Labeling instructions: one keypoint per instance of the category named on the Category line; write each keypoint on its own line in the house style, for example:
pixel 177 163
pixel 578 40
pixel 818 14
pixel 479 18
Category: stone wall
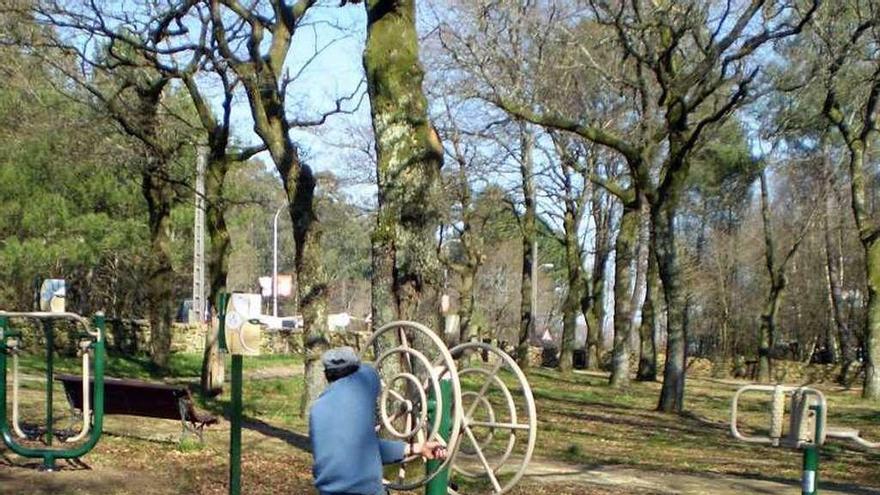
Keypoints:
pixel 191 339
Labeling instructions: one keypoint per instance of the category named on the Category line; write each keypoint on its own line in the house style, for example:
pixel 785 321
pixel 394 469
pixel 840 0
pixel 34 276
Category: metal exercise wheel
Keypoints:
pixel 499 426
pixel 411 361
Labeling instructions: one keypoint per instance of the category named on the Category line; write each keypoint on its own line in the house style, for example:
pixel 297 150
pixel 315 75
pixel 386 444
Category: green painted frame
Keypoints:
pixel 50 455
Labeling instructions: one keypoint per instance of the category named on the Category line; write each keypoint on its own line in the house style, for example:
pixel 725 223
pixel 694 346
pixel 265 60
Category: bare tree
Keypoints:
pixel 254 40
pixel 116 71
pixel 776 269
pixel 852 110
pixel 687 69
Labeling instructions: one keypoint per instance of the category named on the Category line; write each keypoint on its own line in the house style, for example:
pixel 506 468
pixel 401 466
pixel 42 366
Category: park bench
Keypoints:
pixel 138 398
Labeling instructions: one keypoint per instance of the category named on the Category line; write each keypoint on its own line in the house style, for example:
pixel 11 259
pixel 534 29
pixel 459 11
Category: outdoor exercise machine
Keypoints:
pixel 90 342
pixel 239 337
pixel 807 429
pixel 473 398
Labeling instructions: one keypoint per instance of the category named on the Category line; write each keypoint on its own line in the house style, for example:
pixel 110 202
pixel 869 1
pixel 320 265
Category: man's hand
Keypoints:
pixel 429 450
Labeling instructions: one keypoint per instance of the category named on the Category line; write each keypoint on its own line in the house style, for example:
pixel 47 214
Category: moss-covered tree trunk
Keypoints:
pixel 869 235
pixel 159 196
pixel 859 130
pixel 593 299
pixel 260 70
pixel 571 304
pixel 311 277
pixel 467 303
pixel 848 343
pixel 839 329
pixel 624 254
pixel 669 268
pixel 409 157
pixel 158 286
pixel 299 184
pixel 664 208
pixel 647 329
pixel 872 332
pixel 767 327
pixel 527 316
pixel 212 375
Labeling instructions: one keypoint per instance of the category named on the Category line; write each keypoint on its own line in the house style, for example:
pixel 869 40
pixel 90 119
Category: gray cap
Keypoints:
pixel 340 357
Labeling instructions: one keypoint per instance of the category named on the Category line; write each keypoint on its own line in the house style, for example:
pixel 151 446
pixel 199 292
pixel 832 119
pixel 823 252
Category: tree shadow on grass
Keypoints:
pixel 848 488
pixel 583 402
pixel 37 466
pixel 292 438
pixel 578 471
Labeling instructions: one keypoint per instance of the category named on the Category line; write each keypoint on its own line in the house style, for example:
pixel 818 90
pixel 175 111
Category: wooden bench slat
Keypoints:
pixel 138 398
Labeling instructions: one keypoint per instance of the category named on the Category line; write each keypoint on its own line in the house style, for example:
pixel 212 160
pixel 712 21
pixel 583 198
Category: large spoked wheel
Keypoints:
pixel 412 362
pixel 500 426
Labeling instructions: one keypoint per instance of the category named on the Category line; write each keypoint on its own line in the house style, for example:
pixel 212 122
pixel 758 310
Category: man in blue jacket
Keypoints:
pixel 348 453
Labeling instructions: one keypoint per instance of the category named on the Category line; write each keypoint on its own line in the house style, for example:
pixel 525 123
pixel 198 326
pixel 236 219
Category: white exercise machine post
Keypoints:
pixel 807 410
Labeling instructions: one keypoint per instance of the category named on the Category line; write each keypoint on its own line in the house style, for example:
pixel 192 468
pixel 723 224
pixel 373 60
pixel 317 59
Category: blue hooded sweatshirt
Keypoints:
pixel 348 454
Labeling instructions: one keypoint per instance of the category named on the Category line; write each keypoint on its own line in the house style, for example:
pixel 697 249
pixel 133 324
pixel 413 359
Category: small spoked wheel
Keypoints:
pixel 499 427
pixel 413 363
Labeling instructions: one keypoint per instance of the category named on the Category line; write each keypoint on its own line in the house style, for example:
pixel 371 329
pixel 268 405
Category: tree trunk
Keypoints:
pixel 767 332
pixel 382 303
pixel 311 278
pixel 663 213
pixel 571 306
pixel 778 283
pixel 848 342
pixel 648 328
pixel 872 333
pixel 869 235
pixel 593 299
pixel 624 253
pixel 299 187
pixel 467 303
pixel 409 157
pixel 641 252
pixel 159 283
pixel 218 269
pixel 159 195
pixel 527 316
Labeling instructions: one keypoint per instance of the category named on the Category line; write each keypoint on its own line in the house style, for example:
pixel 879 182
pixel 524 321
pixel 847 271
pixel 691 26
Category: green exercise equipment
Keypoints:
pixel 91 344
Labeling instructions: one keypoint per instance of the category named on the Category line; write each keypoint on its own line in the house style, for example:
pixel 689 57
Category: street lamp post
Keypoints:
pixel 275 261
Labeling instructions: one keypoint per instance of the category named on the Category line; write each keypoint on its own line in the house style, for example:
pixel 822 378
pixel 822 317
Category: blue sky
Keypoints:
pixel 336 72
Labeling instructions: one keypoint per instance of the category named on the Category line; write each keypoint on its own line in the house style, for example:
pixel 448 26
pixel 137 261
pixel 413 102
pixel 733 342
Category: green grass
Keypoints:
pixel 585 421
pixel 180 365
pixel 582 421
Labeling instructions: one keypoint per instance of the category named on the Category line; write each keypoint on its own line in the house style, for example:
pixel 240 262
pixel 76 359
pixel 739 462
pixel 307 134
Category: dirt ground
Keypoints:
pixel 592 441
pixel 146 460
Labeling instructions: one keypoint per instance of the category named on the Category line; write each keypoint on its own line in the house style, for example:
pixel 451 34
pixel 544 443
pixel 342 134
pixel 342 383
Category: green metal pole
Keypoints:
pixel 809 485
pixel 100 323
pixel 235 431
pixel 4 330
pixel 810 478
pixel 439 484
pixel 235 414
pixel 49 330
